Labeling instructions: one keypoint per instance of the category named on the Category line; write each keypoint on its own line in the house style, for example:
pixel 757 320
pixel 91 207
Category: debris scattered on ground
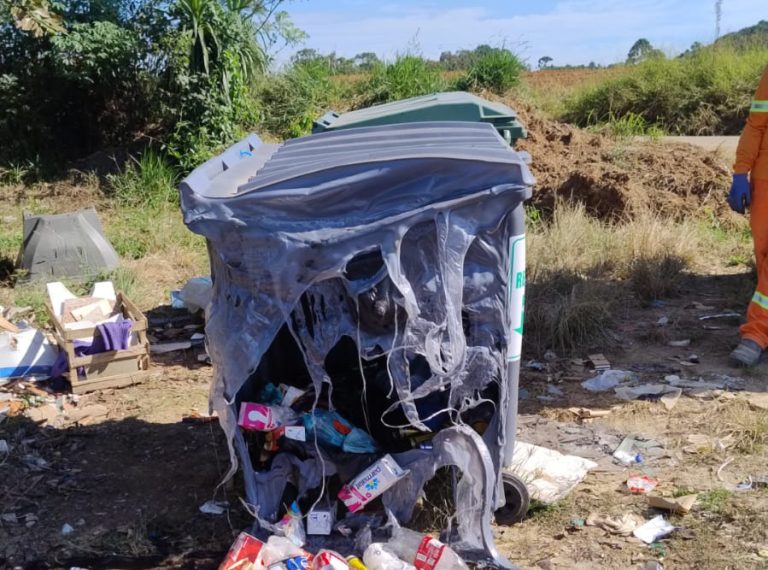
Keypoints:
pixel 662 322
pixel 726 315
pixel 758 401
pixel 656 528
pixel 67 529
pixel 549 475
pixel 673 504
pixel 536 366
pixel 634 449
pixel 28 352
pixel 722 467
pixel 623 525
pixel 214 507
pixel 607 380
pixel 699 306
pixel 170 347
pixel 649 391
pixel 641 484
pixel 679 343
pixel 698 443
pixel 587 414
pixel 196 417
pixel 599 362
pixel 194 296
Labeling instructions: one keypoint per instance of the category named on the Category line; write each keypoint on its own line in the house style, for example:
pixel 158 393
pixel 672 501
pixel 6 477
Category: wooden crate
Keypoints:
pixel 107 369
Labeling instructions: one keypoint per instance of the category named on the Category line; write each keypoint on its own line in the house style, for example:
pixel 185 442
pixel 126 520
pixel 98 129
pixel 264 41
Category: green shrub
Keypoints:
pixel 408 76
pixel 147 182
pixel 495 69
pixel 704 93
pixel 292 100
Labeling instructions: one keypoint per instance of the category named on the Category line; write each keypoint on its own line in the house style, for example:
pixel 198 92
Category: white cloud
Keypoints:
pixel 574 31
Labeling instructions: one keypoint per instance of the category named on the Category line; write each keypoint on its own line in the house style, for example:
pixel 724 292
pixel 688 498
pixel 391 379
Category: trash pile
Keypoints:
pixel 403 550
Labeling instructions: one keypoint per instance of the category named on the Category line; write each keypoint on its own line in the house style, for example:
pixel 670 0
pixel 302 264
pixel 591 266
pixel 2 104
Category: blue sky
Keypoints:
pixel 569 31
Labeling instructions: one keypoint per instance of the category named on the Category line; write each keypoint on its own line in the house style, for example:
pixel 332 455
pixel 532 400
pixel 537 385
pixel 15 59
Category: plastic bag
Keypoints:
pixel 378 557
pixel 291 526
pixel 359 441
pixel 279 548
pixel 330 427
pixel 271 395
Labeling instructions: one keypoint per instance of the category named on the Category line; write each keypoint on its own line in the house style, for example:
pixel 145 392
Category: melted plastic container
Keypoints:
pixel 381 270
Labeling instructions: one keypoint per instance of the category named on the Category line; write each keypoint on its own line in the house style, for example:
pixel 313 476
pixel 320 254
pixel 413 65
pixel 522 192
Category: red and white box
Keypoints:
pixel 371 483
pixel 245 554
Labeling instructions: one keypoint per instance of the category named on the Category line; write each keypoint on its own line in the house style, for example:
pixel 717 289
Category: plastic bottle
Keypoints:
pixel 423 551
pixel 378 557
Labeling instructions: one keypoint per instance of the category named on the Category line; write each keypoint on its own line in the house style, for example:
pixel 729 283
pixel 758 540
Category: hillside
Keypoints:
pixel 747 37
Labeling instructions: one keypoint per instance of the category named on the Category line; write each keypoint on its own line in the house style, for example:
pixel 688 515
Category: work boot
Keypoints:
pixel 746 354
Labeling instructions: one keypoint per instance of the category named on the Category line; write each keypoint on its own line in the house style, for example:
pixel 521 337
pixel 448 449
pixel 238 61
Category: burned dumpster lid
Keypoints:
pixel 448 106
pixel 391 169
pixel 65 245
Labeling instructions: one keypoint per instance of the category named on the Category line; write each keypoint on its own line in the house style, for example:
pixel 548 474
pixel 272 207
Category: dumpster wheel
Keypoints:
pixel 518 500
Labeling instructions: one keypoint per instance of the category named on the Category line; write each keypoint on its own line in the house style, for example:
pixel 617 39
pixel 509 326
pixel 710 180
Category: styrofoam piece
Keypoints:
pixel 26 353
pixel 104 290
pixel 58 294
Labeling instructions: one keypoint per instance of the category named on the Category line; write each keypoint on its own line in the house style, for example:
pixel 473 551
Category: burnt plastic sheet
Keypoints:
pixel 407 240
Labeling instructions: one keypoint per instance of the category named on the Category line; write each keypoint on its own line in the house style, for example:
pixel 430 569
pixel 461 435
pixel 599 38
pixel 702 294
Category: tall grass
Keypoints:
pixel 292 100
pixel 497 70
pixel 407 76
pixel 149 181
pixel 704 93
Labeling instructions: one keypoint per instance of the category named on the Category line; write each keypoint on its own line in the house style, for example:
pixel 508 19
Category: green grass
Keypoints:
pixel 147 182
pixel 628 126
pixel 292 100
pixel 137 232
pixel 407 76
pixel 705 93
pixel 715 501
pixel 497 70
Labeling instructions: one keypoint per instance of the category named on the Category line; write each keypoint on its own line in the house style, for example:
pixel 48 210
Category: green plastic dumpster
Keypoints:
pixel 450 106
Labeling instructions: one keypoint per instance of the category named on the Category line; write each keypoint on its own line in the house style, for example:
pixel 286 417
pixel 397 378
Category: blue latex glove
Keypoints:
pixel 740 195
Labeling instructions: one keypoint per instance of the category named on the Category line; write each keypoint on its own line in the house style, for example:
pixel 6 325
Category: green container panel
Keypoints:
pixel 450 106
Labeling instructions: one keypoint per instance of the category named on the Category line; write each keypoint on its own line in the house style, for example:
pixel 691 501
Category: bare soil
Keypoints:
pixel 616 178
pixel 131 483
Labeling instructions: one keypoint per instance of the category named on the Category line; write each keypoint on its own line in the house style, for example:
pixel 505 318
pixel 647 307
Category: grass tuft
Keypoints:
pixel 147 182
pixel 715 501
pixel 497 70
pixel 656 277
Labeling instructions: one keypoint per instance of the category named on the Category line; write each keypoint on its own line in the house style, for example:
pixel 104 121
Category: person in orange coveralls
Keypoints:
pixel 750 190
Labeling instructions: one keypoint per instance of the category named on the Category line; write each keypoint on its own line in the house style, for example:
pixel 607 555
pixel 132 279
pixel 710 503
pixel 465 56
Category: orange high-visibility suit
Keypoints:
pixel 752 158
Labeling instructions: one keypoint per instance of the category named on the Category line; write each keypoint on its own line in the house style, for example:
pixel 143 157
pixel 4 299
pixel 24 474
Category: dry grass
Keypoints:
pixel 577 265
pixel 572 240
pixel 748 428
pixel 549 89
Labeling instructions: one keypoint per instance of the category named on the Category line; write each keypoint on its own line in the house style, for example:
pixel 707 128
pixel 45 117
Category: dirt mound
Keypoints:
pixel 615 178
